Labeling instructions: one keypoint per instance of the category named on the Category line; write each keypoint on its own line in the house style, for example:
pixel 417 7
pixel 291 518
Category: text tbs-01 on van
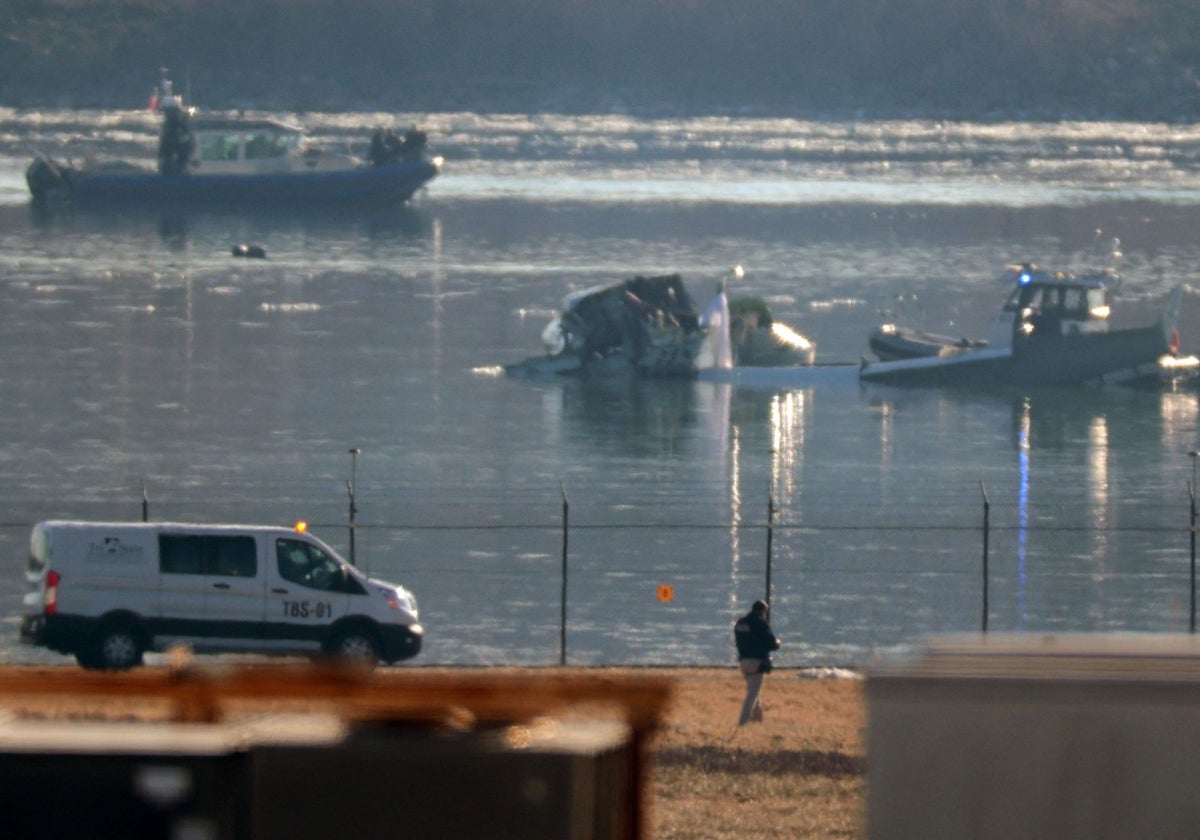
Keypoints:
pixel 107 592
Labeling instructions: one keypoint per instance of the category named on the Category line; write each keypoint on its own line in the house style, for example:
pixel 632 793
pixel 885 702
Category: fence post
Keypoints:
pixel 770 536
pixel 562 628
pixel 1192 576
pixel 354 453
pixel 987 505
pixel 1192 497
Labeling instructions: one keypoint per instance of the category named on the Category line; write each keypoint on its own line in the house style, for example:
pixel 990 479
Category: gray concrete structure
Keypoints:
pixel 1037 736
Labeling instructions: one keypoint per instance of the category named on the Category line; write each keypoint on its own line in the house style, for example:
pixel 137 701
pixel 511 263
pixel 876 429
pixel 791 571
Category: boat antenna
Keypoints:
pixel 734 273
pixel 1114 254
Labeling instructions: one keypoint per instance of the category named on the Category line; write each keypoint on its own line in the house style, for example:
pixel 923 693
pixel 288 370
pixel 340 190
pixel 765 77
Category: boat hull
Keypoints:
pixel 1045 361
pixel 393 183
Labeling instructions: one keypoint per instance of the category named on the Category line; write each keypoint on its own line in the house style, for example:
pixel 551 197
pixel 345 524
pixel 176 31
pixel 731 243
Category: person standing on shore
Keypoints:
pixel 755 640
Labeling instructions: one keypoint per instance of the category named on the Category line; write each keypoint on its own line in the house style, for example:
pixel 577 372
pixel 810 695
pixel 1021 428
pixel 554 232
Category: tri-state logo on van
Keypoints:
pixel 111 548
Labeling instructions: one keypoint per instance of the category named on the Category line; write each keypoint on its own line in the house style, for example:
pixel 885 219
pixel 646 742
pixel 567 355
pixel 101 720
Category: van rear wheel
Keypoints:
pixel 356 645
pixel 117 647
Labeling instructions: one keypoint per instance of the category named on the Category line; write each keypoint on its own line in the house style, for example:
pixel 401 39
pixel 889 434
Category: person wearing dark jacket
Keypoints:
pixel 755 640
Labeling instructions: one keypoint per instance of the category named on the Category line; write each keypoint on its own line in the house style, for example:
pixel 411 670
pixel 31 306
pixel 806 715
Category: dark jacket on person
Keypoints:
pixel 754 637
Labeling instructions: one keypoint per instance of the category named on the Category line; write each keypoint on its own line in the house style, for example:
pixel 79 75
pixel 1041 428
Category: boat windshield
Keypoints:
pixel 247 145
pixel 1071 301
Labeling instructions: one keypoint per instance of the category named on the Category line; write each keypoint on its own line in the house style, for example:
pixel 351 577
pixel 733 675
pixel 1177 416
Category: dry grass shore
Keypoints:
pixel 799 774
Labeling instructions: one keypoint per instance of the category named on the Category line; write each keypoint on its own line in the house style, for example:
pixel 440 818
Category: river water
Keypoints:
pixel 139 354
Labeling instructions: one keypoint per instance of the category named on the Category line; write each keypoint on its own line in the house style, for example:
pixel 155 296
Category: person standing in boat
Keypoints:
pixel 385 147
pixel 755 640
pixel 414 143
pixel 175 143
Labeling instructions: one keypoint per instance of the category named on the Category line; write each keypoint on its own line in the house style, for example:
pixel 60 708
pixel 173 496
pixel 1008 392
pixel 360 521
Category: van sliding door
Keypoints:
pixel 183 586
pixel 211 589
pixel 234 607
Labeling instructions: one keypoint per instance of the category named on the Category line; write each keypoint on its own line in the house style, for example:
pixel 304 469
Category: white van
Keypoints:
pixel 107 592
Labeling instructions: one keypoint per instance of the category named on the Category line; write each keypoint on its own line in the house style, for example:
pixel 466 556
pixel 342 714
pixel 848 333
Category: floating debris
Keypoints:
pixel 256 252
pixel 650 326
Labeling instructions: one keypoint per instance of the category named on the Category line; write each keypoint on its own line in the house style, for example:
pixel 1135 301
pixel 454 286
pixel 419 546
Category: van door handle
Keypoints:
pixel 279 591
pixel 220 586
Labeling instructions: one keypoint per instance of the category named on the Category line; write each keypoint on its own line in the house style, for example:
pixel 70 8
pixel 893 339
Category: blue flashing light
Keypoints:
pixel 1024 277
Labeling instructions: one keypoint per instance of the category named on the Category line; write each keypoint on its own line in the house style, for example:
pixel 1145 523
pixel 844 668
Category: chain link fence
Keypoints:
pixel 543 579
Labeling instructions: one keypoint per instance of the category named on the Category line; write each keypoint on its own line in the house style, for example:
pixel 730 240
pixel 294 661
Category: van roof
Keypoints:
pixel 175 526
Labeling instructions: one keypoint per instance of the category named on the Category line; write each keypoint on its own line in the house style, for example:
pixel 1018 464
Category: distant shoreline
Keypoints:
pixel 858 59
pixel 572 104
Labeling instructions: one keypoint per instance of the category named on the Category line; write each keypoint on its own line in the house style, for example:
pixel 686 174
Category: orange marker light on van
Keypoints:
pixel 301 526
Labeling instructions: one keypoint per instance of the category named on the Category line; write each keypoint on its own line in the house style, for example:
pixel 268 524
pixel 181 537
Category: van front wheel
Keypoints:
pixel 356 645
pixel 117 648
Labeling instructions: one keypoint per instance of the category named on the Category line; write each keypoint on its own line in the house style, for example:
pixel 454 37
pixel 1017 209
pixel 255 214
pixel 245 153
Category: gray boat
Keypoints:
pixel 1053 330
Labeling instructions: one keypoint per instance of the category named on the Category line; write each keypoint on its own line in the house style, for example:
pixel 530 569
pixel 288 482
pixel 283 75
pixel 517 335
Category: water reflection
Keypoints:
pixel 1180 413
pixel 1023 441
pixel 735 512
pixel 787 427
pixel 778 421
pixel 180 230
pixel 173 231
pixel 1066 419
pixel 1097 456
pixel 628 415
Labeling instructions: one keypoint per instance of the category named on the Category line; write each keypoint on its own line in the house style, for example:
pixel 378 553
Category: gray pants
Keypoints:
pixel 751 707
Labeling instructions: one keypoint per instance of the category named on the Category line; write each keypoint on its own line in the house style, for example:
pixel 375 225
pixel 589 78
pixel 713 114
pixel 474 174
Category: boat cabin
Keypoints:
pixel 237 140
pixel 239 146
pixel 1051 303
